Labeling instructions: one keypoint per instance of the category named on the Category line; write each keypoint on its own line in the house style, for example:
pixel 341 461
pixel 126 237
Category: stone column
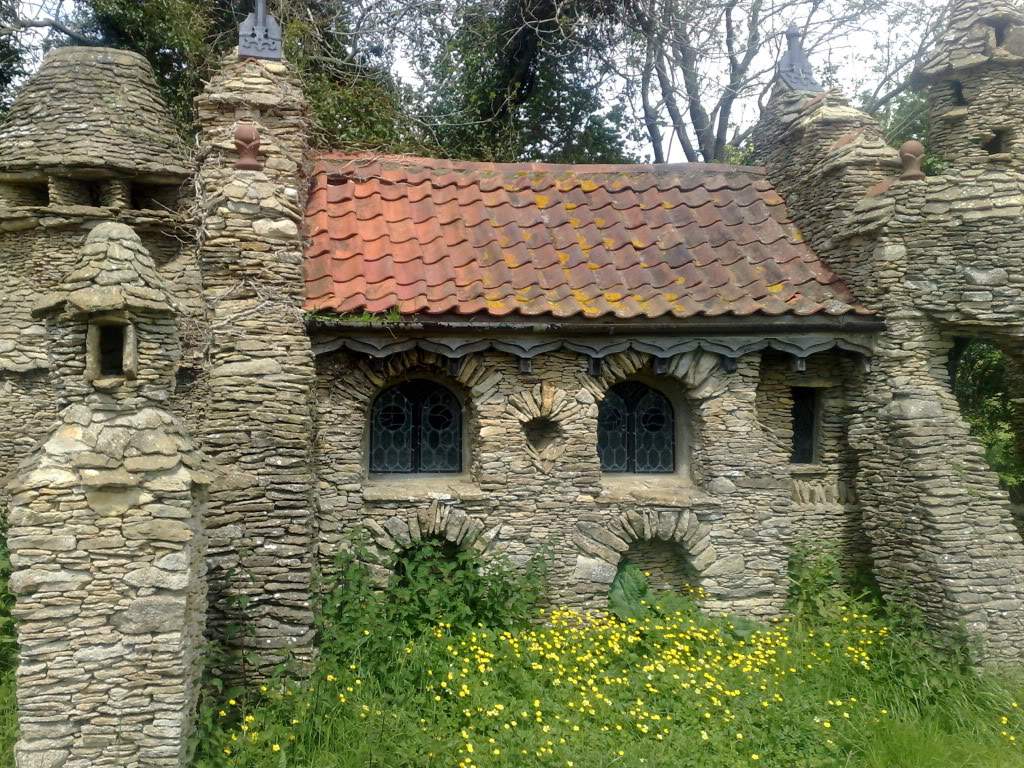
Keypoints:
pixel 940 526
pixel 259 423
pixel 747 473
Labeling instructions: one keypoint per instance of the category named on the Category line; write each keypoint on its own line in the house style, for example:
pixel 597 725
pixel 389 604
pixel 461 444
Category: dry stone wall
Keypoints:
pixel 725 512
pixel 935 257
pixel 106 534
pixel 257 420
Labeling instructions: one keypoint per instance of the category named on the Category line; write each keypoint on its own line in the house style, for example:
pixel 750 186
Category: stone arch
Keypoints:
pixel 604 545
pixel 481 384
pixel 545 404
pixel 700 372
pixel 472 383
pixel 441 520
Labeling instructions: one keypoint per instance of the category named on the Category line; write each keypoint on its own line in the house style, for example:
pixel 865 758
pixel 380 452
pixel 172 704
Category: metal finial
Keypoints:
pixel 259 36
pixel 794 68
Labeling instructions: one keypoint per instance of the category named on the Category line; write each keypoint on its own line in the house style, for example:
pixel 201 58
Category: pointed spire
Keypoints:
pixel 259 36
pixel 977 31
pixel 794 69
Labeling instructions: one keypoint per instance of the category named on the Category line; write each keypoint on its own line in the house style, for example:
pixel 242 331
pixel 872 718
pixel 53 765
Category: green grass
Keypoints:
pixel 840 683
pixel 455 666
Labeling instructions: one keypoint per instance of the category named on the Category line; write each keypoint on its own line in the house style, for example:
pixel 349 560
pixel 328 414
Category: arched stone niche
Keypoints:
pixel 602 547
pixel 440 520
pixel 544 413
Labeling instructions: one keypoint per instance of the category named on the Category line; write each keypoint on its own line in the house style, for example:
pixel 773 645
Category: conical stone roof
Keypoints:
pixel 977 32
pixel 114 272
pixel 89 111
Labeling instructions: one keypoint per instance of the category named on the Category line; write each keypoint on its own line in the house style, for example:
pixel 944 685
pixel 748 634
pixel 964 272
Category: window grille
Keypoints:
pixel 636 430
pixel 416 426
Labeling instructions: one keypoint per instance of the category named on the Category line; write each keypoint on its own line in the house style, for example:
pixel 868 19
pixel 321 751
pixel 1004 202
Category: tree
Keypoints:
pixel 560 80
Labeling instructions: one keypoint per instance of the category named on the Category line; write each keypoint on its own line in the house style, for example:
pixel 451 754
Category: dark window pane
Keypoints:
pixel 805 424
pixel 111 350
pixel 416 426
pixel 612 420
pixel 635 430
pixel 440 438
pixel 655 433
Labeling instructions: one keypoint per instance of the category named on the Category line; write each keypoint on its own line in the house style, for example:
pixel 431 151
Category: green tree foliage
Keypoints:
pixel 354 100
pixel 516 80
pixel 12 55
pixel 980 375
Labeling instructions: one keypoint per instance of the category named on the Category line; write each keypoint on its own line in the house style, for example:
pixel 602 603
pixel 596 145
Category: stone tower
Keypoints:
pixel 974 84
pixel 87 140
pixel 937 258
pixel 106 532
pixel 259 427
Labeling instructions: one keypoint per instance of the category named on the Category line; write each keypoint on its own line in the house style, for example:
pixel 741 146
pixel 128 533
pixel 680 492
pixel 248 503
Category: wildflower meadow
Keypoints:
pixel 455 665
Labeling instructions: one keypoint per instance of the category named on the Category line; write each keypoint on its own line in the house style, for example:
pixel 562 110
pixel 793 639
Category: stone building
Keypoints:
pixel 687 367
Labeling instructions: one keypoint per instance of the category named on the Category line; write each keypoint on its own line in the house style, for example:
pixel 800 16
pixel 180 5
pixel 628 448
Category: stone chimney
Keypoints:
pixel 105 529
pixel 973 81
pixel 259 424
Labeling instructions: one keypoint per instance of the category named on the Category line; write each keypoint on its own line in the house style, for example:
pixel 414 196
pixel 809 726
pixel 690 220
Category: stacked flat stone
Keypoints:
pixel 101 110
pixel 82 109
pixel 258 415
pixel 937 257
pixel 106 539
pixel 974 85
pixel 722 519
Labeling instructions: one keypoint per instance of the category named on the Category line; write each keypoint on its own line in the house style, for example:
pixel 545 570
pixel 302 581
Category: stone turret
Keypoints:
pixel 106 529
pixel 90 129
pixel 821 153
pixel 259 419
pixel 974 81
pixel 87 140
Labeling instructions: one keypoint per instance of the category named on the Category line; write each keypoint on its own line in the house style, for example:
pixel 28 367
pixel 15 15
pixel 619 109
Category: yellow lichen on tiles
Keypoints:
pixel 613 297
pixel 571 206
pixel 592 266
pixel 775 287
pixel 575 223
pixel 600 222
pixel 588 186
pixel 563 256
pixel 542 200
pixel 608 243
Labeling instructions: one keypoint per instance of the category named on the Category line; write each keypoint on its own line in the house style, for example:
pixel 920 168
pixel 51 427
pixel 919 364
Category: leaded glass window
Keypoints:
pixel 636 430
pixel 416 426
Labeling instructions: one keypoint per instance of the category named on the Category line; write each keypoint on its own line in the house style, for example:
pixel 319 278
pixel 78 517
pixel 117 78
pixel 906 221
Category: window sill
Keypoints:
pixel 665 490
pixel 421 488
pixel 807 469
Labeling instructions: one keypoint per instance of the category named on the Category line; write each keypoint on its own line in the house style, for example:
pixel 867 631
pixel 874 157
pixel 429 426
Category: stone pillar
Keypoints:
pixel 106 533
pixel 258 421
pixel 747 472
pixel 940 526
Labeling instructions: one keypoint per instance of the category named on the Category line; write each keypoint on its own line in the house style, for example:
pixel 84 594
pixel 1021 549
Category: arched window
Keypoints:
pixel 636 430
pixel 416 426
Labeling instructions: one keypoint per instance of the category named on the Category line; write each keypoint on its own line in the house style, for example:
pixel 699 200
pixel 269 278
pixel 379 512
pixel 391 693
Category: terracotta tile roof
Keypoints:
pixel 632 241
